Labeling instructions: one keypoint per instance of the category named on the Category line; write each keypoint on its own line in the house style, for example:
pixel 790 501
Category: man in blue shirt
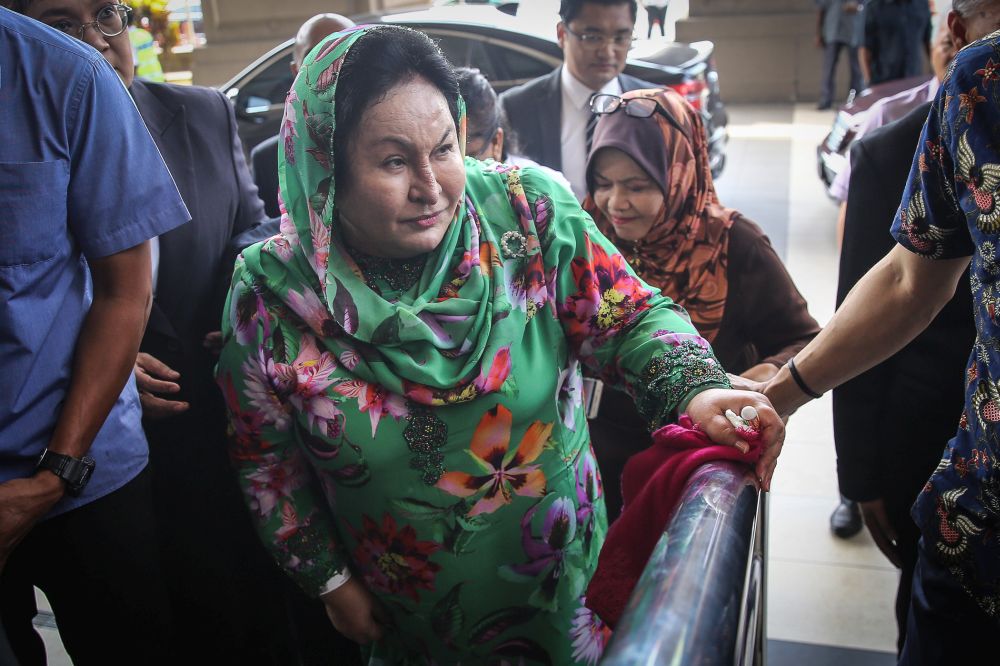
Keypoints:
pixel 948 219
pixel 75 275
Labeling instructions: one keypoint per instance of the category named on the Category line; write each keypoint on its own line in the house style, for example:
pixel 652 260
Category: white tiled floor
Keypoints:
pixel 821 589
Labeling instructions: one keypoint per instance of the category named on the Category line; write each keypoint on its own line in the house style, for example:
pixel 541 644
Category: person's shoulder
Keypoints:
pixel 540 180
pixel 192 97
pixel 629 82
pixel 29 37
pixel 529 89
pixel 898 131
pixel 746 233
pixel 974 57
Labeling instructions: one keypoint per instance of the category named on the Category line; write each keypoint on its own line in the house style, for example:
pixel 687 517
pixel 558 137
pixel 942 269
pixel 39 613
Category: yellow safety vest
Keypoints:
pixel 147 63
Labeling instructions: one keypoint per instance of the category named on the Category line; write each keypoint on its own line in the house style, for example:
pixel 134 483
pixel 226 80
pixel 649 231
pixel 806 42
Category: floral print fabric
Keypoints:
pixel 951 209
pixel 433 439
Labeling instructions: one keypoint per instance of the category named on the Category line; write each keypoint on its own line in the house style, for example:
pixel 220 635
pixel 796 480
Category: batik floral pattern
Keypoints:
pixel 951 209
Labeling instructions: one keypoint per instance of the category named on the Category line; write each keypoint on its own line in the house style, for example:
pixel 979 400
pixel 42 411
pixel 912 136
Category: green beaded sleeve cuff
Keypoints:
pixel 670 380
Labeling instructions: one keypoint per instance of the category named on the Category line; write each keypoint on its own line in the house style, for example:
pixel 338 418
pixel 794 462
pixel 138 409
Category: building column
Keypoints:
pixel 765 50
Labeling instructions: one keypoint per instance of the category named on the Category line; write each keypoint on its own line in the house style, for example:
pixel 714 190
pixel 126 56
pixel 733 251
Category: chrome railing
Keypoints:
pixel 700 599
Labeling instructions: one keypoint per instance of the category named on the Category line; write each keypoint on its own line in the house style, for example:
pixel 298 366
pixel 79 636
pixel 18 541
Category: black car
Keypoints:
pixel 508 52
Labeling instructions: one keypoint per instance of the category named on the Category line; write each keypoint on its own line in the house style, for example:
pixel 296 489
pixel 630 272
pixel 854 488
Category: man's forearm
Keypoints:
pixel 888 307
pixel 106 348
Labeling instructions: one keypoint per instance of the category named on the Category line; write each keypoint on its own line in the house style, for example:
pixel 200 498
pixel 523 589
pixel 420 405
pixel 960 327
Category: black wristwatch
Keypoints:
pixel 76 472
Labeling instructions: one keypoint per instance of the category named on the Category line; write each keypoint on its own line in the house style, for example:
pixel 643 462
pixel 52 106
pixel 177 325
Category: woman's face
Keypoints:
pixel 628 197
pixel 68 15
pixel 406 174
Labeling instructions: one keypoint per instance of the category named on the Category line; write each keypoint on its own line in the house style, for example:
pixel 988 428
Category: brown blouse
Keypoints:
pixel 766 320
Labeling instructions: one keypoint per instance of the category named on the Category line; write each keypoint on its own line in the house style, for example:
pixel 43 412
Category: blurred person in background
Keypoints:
pixel 224 590
pixel 651 193
pixel 656 14
pixel 486 138
pixel 897 37
pixel 144 56
pixel 839 27
pixel 264 156
pixel 82 190
pixel 403 364
pixel 551 115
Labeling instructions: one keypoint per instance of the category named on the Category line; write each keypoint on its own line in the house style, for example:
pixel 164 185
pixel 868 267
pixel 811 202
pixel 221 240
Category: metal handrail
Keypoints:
pixel 700 599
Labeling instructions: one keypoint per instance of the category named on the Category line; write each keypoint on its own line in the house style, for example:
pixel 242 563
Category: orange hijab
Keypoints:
pixel 685 253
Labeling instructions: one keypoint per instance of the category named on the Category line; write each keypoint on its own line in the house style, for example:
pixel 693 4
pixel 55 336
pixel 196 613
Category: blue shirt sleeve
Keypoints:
pixel 120 192
pixel 955 176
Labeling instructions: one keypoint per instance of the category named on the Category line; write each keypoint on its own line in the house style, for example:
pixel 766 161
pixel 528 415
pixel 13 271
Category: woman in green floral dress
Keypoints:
pixel 403 370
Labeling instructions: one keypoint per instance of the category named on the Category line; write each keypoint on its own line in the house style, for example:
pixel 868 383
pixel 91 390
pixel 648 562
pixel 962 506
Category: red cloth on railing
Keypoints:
pixel 652 483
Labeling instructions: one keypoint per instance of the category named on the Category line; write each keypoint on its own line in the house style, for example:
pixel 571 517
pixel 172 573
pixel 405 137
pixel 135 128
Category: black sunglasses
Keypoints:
pixel 604 104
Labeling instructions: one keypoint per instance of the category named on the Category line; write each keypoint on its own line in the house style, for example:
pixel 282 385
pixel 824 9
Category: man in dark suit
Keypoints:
pixel 892 422
pixel 264 156
pixel 225 590
pixel 550 116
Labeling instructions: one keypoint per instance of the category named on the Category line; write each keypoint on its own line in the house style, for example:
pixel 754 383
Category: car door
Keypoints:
pixel 260 101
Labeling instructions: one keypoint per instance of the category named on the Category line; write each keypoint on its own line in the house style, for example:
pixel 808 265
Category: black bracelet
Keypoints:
pixel 798 380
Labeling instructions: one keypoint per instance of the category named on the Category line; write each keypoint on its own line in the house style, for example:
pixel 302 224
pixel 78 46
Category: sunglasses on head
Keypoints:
pixel 638 107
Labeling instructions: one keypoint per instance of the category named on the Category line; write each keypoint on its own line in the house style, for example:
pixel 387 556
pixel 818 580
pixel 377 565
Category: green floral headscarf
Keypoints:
pixel 444 340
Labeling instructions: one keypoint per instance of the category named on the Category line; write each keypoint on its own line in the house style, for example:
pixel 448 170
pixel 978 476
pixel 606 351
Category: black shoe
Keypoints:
pixel 824 106
pixel 845 521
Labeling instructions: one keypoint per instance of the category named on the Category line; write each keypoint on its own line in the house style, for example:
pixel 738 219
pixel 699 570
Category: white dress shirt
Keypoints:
pixel 154 256
pixel 573 131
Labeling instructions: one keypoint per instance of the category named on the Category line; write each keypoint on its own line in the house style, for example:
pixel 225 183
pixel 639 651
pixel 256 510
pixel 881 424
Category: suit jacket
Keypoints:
pixel 195 130
pixel 534 114
pixel 892 423
pixel 264 162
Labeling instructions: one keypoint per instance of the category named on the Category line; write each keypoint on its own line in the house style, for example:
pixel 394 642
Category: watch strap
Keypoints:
pixel 75 472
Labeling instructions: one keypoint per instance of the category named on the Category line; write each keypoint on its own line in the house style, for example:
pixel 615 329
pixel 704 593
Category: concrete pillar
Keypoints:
pixel 239 31
pixel 765 49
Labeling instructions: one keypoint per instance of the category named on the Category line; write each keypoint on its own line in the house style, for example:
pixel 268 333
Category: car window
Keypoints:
pixel 464 52
pixel 268 87
pixel 516 65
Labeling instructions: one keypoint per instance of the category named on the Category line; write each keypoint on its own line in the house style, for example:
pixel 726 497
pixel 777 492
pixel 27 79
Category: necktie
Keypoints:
pixel 591 124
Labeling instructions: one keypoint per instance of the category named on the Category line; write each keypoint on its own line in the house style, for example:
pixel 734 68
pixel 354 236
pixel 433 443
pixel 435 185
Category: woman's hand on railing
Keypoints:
pixel 708 408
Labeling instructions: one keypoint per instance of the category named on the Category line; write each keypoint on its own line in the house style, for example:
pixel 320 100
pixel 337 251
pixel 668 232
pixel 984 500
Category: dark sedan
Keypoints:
pixel 507 50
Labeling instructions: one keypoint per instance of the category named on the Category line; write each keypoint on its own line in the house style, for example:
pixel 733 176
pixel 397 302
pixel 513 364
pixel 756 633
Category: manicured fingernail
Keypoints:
pixel 743 446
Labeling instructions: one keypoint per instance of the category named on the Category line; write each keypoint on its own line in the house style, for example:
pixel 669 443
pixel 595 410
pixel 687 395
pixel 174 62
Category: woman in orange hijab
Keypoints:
pixel 651 192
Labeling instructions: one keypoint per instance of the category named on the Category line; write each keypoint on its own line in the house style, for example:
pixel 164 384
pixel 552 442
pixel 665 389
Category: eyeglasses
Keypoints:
pixel 595 40
pixel 638 107
pixel 112 20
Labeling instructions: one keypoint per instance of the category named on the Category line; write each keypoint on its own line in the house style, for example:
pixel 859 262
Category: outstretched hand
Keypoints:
pixel 707 409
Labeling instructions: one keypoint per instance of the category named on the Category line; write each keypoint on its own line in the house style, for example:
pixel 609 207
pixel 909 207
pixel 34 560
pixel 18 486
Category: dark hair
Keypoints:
pixel 570 9
pixel 380 60
pixel 19 6
pixel 483 111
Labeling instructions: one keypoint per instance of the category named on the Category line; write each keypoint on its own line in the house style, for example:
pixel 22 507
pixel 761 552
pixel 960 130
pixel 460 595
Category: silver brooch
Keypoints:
pixel 521 244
